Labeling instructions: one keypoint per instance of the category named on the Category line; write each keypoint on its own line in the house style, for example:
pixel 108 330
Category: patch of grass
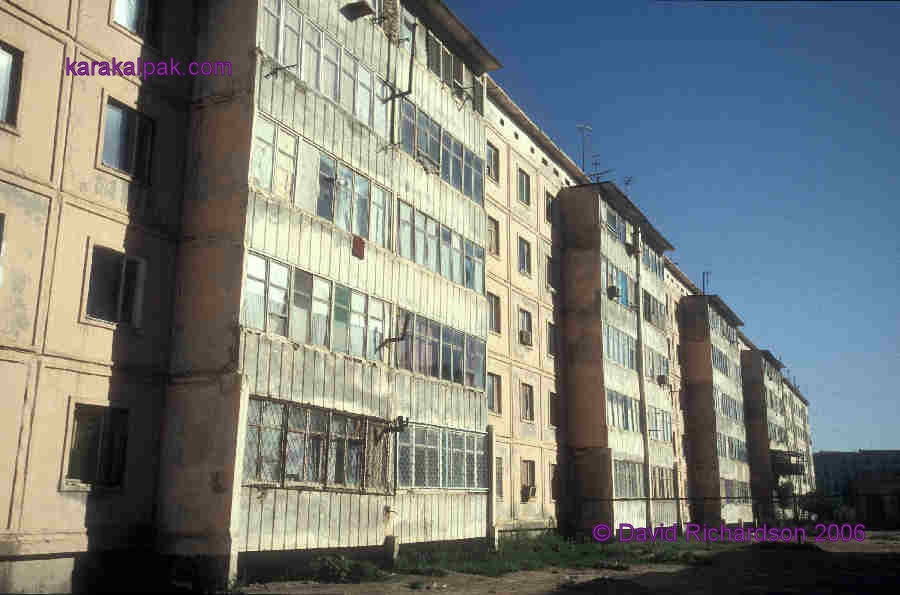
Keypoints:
pixel 553 551
pixel 338 569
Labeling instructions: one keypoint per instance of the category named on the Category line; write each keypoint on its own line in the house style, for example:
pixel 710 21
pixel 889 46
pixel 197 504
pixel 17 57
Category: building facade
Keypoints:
pixel 526 358
pixel 617 334
pixel 718 463
pixel 338 292
pixel 834 470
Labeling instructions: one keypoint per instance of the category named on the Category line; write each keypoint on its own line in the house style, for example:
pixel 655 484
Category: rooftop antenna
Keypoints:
pixel 706 275
pixel 628 181
pixel 586 130
pixel 598 173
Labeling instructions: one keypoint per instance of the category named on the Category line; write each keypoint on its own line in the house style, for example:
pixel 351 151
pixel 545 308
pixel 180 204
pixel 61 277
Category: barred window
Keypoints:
pixel 288 443
pixel 431 457
pixel 629 479
pixel 662 482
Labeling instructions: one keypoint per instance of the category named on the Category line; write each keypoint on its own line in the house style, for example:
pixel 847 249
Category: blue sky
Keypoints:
pixel 764 142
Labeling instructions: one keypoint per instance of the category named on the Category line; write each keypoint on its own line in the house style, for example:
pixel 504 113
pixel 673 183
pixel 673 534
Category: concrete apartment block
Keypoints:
pixel 778 433
pixel 616 444
pixel 718 465
pixel 527 397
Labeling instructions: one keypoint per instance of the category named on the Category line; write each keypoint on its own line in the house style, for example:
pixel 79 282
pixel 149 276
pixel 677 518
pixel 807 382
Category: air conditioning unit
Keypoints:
pixel 612 292
pixel 662 380
pixel 359 247
pixel 525 337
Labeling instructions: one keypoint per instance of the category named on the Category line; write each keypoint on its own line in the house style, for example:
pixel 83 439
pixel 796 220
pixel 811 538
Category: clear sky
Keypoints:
pixel 764 143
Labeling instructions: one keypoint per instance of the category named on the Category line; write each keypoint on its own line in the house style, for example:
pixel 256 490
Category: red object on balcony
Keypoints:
pixel 359 247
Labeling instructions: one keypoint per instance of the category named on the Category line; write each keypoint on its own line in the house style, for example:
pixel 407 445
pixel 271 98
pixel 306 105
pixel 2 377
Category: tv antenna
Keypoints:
pixel 628 181
pixel 598 173
pixel 706 275
pixel 586 131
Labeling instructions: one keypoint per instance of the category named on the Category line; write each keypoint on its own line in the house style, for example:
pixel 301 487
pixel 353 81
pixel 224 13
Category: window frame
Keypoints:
pixel 496 383
pixel 140 139
pixel 68 484
pixel 324 482
pixel 9 114
pixel 492 162
pixel 524 190
pixel 494 313
pixel 524 267
pixel 552 347
pixel 525 316
pixel 526 402
pixel 139 289
pixel 147 27
pixel 493 233
pixel 554 405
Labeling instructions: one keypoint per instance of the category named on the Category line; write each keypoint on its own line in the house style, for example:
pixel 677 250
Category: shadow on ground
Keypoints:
pixel 763 569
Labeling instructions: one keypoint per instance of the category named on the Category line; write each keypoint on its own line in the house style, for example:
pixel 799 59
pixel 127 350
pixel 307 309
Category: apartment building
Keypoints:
pixel 617 335
pixel 90 207
pixel 526 358
pixel 246 312
pixel 778 435
pixel 718 462
pixel 835 470
pixel 678 285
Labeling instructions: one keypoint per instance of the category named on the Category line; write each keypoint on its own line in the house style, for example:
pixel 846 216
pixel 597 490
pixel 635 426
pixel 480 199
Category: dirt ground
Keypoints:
pixel 871 566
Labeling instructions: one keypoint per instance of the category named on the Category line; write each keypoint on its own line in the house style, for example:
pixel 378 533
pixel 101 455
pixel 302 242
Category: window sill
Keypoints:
pixel 10 128
pixel 73 485
pixel 123 175
pixel 111 326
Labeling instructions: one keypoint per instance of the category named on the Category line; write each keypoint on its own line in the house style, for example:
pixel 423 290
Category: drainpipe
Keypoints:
pixel 639 356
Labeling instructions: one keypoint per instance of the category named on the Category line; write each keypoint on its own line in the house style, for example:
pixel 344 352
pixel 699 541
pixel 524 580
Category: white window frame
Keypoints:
pixel 10 96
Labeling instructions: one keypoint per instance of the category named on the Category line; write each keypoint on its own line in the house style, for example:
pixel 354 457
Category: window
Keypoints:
pixel 616 225
pixel 331 55
pixel 622 411
pixel 97 446
pixel 364 94
pixel 526 393
pixel 452 348
pixel 273 162
pixel 477 95
pixel 654 311
pixel 433 54
pixel 475 359
pixel 116 287
pixel 381 217
pixel 493 231
pixel 629 479
pixel 492 163
pixel 405 331
pixel 494 395
pixel 524 257
pixel 327 178
pixel 524 188
pixel 428 139
pixel 553 410
pixel 127 140
pixel 140 17
pixel 432 242
pixel 312 55
pixel 550 272
pixel 525 327
pixel 474 267
pixel 528 479
pixel 447 67
pixel 494 312
pixel 433 458
pixel 291 37
pixel 548 207
pixel 660 422
pixel 408 127
pixel 551 339
pixel 428 347
pixel 619 347
pixel 10 80
pixel 381 107
pixel 288 443
pixel 498 477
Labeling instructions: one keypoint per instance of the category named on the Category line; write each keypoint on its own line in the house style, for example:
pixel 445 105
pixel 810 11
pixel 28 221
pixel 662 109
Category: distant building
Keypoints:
pixel 836 469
